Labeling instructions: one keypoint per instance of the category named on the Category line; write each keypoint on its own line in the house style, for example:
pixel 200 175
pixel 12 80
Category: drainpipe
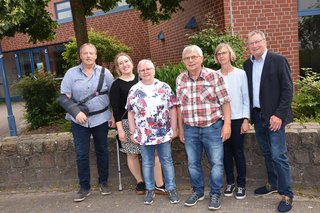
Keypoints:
pixel 231 19
pixel 11 120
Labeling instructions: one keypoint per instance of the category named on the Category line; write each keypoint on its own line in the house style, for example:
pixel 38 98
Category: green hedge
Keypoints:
pixel 306 102
pixel 40 92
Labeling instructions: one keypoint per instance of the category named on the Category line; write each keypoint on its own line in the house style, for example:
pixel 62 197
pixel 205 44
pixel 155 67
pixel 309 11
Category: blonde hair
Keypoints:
pixel 230 50
pixel 87 44
pixel 115 61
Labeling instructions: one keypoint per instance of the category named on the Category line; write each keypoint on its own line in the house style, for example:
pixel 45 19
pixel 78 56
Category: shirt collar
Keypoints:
pixel 201 75
pixel 81 67
pixel 262 57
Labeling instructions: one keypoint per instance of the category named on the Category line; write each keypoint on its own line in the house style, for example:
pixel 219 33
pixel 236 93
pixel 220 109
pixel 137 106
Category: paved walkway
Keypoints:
pixel 18 111
pixel 128 201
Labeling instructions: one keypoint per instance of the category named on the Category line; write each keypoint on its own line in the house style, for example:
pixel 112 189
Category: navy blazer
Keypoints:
pixel 276 87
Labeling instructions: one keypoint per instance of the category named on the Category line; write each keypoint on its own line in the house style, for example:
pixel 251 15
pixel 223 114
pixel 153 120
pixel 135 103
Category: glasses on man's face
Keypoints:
pixel 255 42
pixel 219 54
pixel 193 57
pixel 146 70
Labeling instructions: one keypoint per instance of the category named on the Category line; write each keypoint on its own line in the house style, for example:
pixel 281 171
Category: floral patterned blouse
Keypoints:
pixel 150 105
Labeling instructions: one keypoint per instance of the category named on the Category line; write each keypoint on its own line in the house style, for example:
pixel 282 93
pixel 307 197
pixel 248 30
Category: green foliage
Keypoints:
pixel 210 37
pixel 306 103
pixel 309 32
pixel 40 92
pixel 169 73
pixel 26 16
pixel 156 10
pixel 107 47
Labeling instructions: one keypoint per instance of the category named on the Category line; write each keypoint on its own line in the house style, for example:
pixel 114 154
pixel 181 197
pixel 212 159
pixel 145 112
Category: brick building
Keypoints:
pixel 277 18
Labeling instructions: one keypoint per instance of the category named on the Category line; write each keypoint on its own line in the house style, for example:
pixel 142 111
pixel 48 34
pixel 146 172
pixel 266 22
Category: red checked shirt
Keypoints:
pixel 201 100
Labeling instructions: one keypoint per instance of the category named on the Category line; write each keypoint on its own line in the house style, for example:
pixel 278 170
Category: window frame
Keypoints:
pixel 307 12
pixel 117 9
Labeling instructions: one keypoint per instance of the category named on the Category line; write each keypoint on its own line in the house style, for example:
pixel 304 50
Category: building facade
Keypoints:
pixel 163 43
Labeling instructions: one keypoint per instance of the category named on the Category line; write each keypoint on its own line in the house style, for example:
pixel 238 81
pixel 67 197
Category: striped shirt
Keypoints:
pixel 201 100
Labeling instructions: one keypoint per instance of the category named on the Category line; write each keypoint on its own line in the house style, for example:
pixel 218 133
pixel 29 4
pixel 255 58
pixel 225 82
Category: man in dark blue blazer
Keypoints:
pixel 271 93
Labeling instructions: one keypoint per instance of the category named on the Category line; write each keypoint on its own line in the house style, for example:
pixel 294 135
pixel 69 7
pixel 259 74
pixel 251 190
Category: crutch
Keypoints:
pixel 118 159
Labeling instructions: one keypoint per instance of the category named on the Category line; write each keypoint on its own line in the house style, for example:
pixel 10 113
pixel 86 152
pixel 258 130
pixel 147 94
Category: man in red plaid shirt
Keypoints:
pixel 204 123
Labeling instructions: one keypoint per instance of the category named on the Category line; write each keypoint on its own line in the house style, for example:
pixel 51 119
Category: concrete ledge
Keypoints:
pixel 48 160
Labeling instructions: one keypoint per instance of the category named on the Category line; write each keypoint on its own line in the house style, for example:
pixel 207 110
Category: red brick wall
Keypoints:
pixel 125 26
pixel 169 50
pixel 278 19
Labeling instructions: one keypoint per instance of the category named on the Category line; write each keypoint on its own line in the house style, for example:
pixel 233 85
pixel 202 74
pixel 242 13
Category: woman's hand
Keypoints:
pixel 122 136
pixel 174 134
pixel 244 126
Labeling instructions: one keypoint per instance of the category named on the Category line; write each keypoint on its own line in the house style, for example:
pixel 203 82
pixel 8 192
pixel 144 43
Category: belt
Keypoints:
pixel 256 109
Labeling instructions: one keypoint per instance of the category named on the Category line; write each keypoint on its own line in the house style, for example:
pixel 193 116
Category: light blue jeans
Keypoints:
pixel 274 150
pixel 165 157
pixel 208 138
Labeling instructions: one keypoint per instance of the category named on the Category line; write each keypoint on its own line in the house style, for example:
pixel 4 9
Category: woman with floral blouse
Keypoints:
pixel 152 117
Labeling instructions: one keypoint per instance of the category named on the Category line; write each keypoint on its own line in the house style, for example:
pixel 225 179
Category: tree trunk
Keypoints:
pixel 79 22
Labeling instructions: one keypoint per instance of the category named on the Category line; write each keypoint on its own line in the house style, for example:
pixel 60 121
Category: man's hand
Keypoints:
pixel 81 118
pixel 275 123
pixel 225 132
pixel 112 124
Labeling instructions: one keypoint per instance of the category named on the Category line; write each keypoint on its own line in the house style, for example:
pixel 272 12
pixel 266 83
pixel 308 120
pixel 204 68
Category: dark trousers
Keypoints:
pixel 81 138
pixel 233 150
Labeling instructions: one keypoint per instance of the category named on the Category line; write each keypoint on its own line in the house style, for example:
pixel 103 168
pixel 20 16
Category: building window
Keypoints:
pixel 309 35
pixel 64 14
pixel 63 11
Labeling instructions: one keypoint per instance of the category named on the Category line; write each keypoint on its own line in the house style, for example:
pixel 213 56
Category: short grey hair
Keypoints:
pixel 145 61
pixel 254 32
pixel 192 48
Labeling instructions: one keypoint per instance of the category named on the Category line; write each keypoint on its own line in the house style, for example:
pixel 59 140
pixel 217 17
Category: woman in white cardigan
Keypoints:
pixel 237 87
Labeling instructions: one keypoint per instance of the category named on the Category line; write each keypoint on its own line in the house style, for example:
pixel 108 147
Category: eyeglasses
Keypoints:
pixel 255 42
pixel 123 62
pixel 193 57
pixel 147 69
pixel 221 53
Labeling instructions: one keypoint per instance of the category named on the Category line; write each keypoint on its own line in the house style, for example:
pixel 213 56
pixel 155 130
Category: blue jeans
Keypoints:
pixel 274 150
pixel 81 139
pixel 209 138
pixel 165 157
pixel 233 150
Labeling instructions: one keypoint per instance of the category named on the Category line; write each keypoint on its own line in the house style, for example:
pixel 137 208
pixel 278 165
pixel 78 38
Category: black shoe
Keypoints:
pixel 81 195
pixel 228 192
pixel 241 193
pixel 285 204
pixel 140 188
pixel 265 190
pixel 160 189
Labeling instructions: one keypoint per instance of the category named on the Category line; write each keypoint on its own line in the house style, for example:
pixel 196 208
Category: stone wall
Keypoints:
pixel 41 161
